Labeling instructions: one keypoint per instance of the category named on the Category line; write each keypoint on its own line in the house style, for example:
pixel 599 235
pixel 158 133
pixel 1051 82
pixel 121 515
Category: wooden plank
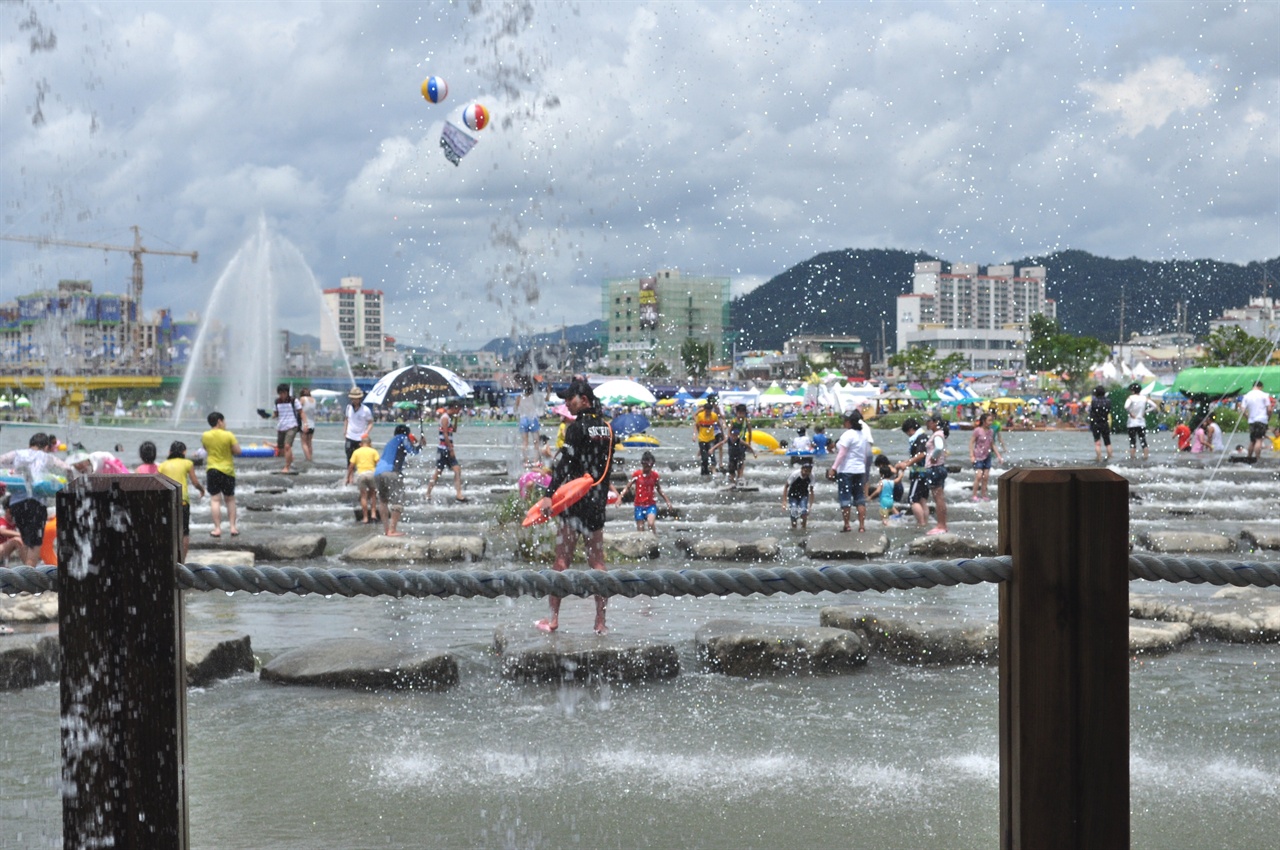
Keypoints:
pixel 1064 719
pixel 123 686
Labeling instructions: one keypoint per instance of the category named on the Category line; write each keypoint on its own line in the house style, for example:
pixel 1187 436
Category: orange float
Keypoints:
pixel 566 495
pixel 49 546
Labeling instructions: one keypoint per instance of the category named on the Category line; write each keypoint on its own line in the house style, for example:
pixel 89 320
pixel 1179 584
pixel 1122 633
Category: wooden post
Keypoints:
pixel 123 668
pixel 1064 663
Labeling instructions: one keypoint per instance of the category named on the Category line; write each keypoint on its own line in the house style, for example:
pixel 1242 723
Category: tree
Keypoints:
pixel 1051 350
pixel 656 369
pixel 1232 346
pixel 696 357
pixel 916 361
pixel 951 364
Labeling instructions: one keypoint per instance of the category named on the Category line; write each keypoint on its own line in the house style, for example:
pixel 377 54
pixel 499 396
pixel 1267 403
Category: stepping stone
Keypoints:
pixel 949 545
pixel 27 608
pixel 408 550
pixel 1149 637
pixel 26 662
pixel 846 545
pixel 363 664
pixel 737 648
pixel 225 557
pixel 529 655
pixel 1262 536
pixel 918 636
pixel 1187 541
pixel 720 549
pixel 216 655
pixel 629 546
pixel 1234 614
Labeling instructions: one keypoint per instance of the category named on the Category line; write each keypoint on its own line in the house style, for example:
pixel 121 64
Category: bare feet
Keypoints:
pixel 601 629
pixel 547 626
pixel 395 534
pixel 937 529
pixel 217 532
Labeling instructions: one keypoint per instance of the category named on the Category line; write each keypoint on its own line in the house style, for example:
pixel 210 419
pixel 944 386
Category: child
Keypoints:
pixel 147 451
pixel 360 469
pixel 797 493
pixel 645 482
pixel 181 470
pixel 883 490
pixel 820 440
pixel 10 537
pixel 738 449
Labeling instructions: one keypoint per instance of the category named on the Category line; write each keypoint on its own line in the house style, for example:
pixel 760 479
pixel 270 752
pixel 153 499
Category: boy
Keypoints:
pixel 797 493
pixel 361 468
pixel 221 447
pixel 738 449
pixel 645 482
pixel 287 426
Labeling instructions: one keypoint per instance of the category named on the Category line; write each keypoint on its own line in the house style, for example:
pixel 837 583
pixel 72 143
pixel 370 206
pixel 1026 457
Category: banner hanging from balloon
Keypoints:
pixel 455 142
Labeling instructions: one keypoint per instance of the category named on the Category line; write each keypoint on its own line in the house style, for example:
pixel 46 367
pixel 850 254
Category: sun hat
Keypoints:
pixel 355 392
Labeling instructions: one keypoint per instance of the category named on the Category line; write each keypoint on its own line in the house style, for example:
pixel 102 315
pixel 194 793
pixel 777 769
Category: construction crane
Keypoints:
pixel 136 251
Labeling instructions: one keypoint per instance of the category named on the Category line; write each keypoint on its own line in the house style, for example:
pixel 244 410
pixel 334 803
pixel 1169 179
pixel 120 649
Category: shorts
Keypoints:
pixel 220 484
pixel 982 463
pixel 919 491
pixel 1101 432
pixel 643 513
pixel 885 513
pixel 737 457
pixel 587 515
pixel 186 519
pixel 285 437
pixel 935 476
pixel 529 424
pixel 798 508
pixel 367 482
pixel 850 490
pixel 391 489
pixel 1137 434
pixel 29 517
pixel 446 459
pixel 350 446
pixel 1257 430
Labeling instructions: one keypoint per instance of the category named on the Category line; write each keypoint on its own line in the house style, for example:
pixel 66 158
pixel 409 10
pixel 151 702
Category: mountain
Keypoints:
pixel 577 336
pixel 851 291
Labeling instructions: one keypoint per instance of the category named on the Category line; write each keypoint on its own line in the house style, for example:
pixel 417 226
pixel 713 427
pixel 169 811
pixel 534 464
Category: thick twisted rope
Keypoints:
pixel 766 581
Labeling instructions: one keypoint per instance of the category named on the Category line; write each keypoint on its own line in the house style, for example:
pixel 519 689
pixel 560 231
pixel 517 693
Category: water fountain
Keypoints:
pixel 237 358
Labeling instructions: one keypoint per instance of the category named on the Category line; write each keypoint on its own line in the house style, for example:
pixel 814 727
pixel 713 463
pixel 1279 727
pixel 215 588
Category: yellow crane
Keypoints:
pixel 136 250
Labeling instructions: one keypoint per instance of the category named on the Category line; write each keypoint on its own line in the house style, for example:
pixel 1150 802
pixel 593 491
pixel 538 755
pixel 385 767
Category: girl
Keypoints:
pixel 181 470
pixel 981 446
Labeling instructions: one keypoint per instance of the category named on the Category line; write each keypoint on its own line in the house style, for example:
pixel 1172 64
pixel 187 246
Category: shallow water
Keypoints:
pixel 891 756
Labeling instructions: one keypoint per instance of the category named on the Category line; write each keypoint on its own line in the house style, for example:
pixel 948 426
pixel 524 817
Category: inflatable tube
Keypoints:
pixel 568 494
pixel 641 441
pixel 257 451
pixel 45 487
pixel 764 440
pixel 49 545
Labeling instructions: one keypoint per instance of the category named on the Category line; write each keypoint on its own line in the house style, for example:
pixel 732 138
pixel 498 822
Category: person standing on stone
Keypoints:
pixel 588 450
pixel 287 426
pixel 446 458
pixel 361 470
pixel 797 493
pixel 177 468
pixel 357 421
pixel 307 423
pixel 221 449
pixel 849 469
pixel 389 475
pixel 981 447
pixel 1135 408
pixel 917 451
pixel 29 511
pixel 705 423
pixel 1256 406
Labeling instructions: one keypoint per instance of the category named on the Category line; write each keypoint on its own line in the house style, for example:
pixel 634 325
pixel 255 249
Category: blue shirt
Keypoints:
pixel 392 459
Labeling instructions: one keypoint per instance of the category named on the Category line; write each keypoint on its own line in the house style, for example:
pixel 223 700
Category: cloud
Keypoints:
pixel 1150 95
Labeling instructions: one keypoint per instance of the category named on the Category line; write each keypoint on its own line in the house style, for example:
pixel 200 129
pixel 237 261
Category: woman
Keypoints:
pixel 1212 435
pixel 307 415
pixel 981 446
pixel 849 470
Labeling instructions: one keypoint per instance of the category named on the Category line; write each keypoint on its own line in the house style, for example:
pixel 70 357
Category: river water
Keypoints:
pixel 892 756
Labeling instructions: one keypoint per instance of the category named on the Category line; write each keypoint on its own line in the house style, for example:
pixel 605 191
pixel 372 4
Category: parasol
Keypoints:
pixel 422 384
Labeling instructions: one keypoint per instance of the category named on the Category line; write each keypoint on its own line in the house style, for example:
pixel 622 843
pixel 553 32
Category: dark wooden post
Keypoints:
pixel 1064 664
pixel 124 696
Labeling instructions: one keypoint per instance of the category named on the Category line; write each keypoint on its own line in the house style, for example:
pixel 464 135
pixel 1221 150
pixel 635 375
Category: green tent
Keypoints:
pixel 1223 381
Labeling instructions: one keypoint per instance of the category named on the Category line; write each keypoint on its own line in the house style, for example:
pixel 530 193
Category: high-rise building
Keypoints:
pixel 355 319
pixel 648 319
pixel 985 317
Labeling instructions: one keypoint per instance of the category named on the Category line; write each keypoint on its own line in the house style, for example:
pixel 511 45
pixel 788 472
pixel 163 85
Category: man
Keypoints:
pixel 446 458
pixel 1256 405
pixel 704 431
pixel 357 421
pixel 917 449
pixel 29 511
pixel 287 426
pixel 221 447
pixel 1135 408
pixel 389 477
pixel 588 450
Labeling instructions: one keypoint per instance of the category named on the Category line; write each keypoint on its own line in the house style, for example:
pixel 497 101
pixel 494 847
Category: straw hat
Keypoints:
pixel 355 394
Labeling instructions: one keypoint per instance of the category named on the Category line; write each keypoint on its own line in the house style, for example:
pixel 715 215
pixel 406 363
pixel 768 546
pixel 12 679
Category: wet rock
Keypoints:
pixel 846 546
pixel 722 549
pixel 216 655
pixel 286 547
pixel 362 664
pixel 25 663
pixel 918 636
pixel 950 545
pixel 744 649
pixel 1187 541
pixel 1150 637
pixel 1262 536
pixel 271 491
pixel 26 608
pixel 531 656
pixel 1235 614
pixel 408 549
pixel 223 557
pixel 629 546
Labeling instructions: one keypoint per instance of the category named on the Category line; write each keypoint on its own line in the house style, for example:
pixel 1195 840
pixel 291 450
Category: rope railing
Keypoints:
pixel 746 581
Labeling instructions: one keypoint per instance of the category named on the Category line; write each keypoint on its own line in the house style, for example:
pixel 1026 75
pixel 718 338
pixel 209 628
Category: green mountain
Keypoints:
pixel 852 291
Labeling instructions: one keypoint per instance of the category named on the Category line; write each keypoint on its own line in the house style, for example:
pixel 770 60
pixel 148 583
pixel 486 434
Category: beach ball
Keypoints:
pixel 435 89
pixel 475 116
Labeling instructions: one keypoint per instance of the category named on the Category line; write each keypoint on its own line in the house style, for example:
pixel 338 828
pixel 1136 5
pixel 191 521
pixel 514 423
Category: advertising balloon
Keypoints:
pixel 435 89
pixel 475 116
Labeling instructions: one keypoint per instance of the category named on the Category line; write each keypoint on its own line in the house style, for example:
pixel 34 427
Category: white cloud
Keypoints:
pixel 1148 96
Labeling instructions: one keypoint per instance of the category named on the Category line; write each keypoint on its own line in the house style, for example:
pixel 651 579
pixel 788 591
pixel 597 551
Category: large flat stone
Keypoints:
pixel 284 547
pixel 1187 541
pixel 222 557
pixel 629 546
pixel 737 648
pixel 1151 637
pixel 725 549
pixel 951 545
pixel 846 545
pixel 531 656
pixel 27 661
pixel 918 635
pixel 411 549
pixel 26 608
pixel 1262 536
pixel 211 656
pixel 362 664
pixel 1235 614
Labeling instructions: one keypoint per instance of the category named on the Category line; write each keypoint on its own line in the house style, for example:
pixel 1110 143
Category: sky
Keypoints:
pixel 728 139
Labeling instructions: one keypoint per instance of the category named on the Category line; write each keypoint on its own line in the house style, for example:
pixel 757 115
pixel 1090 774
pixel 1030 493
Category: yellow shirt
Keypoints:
pixel 705 422
pixel 218 442
pixel 179 470
pixel 365 458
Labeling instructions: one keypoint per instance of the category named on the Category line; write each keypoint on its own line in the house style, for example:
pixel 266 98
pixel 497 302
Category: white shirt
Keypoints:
pixel 1136 406
pixel 1256 405
pixel 853 451
pixel 359 420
